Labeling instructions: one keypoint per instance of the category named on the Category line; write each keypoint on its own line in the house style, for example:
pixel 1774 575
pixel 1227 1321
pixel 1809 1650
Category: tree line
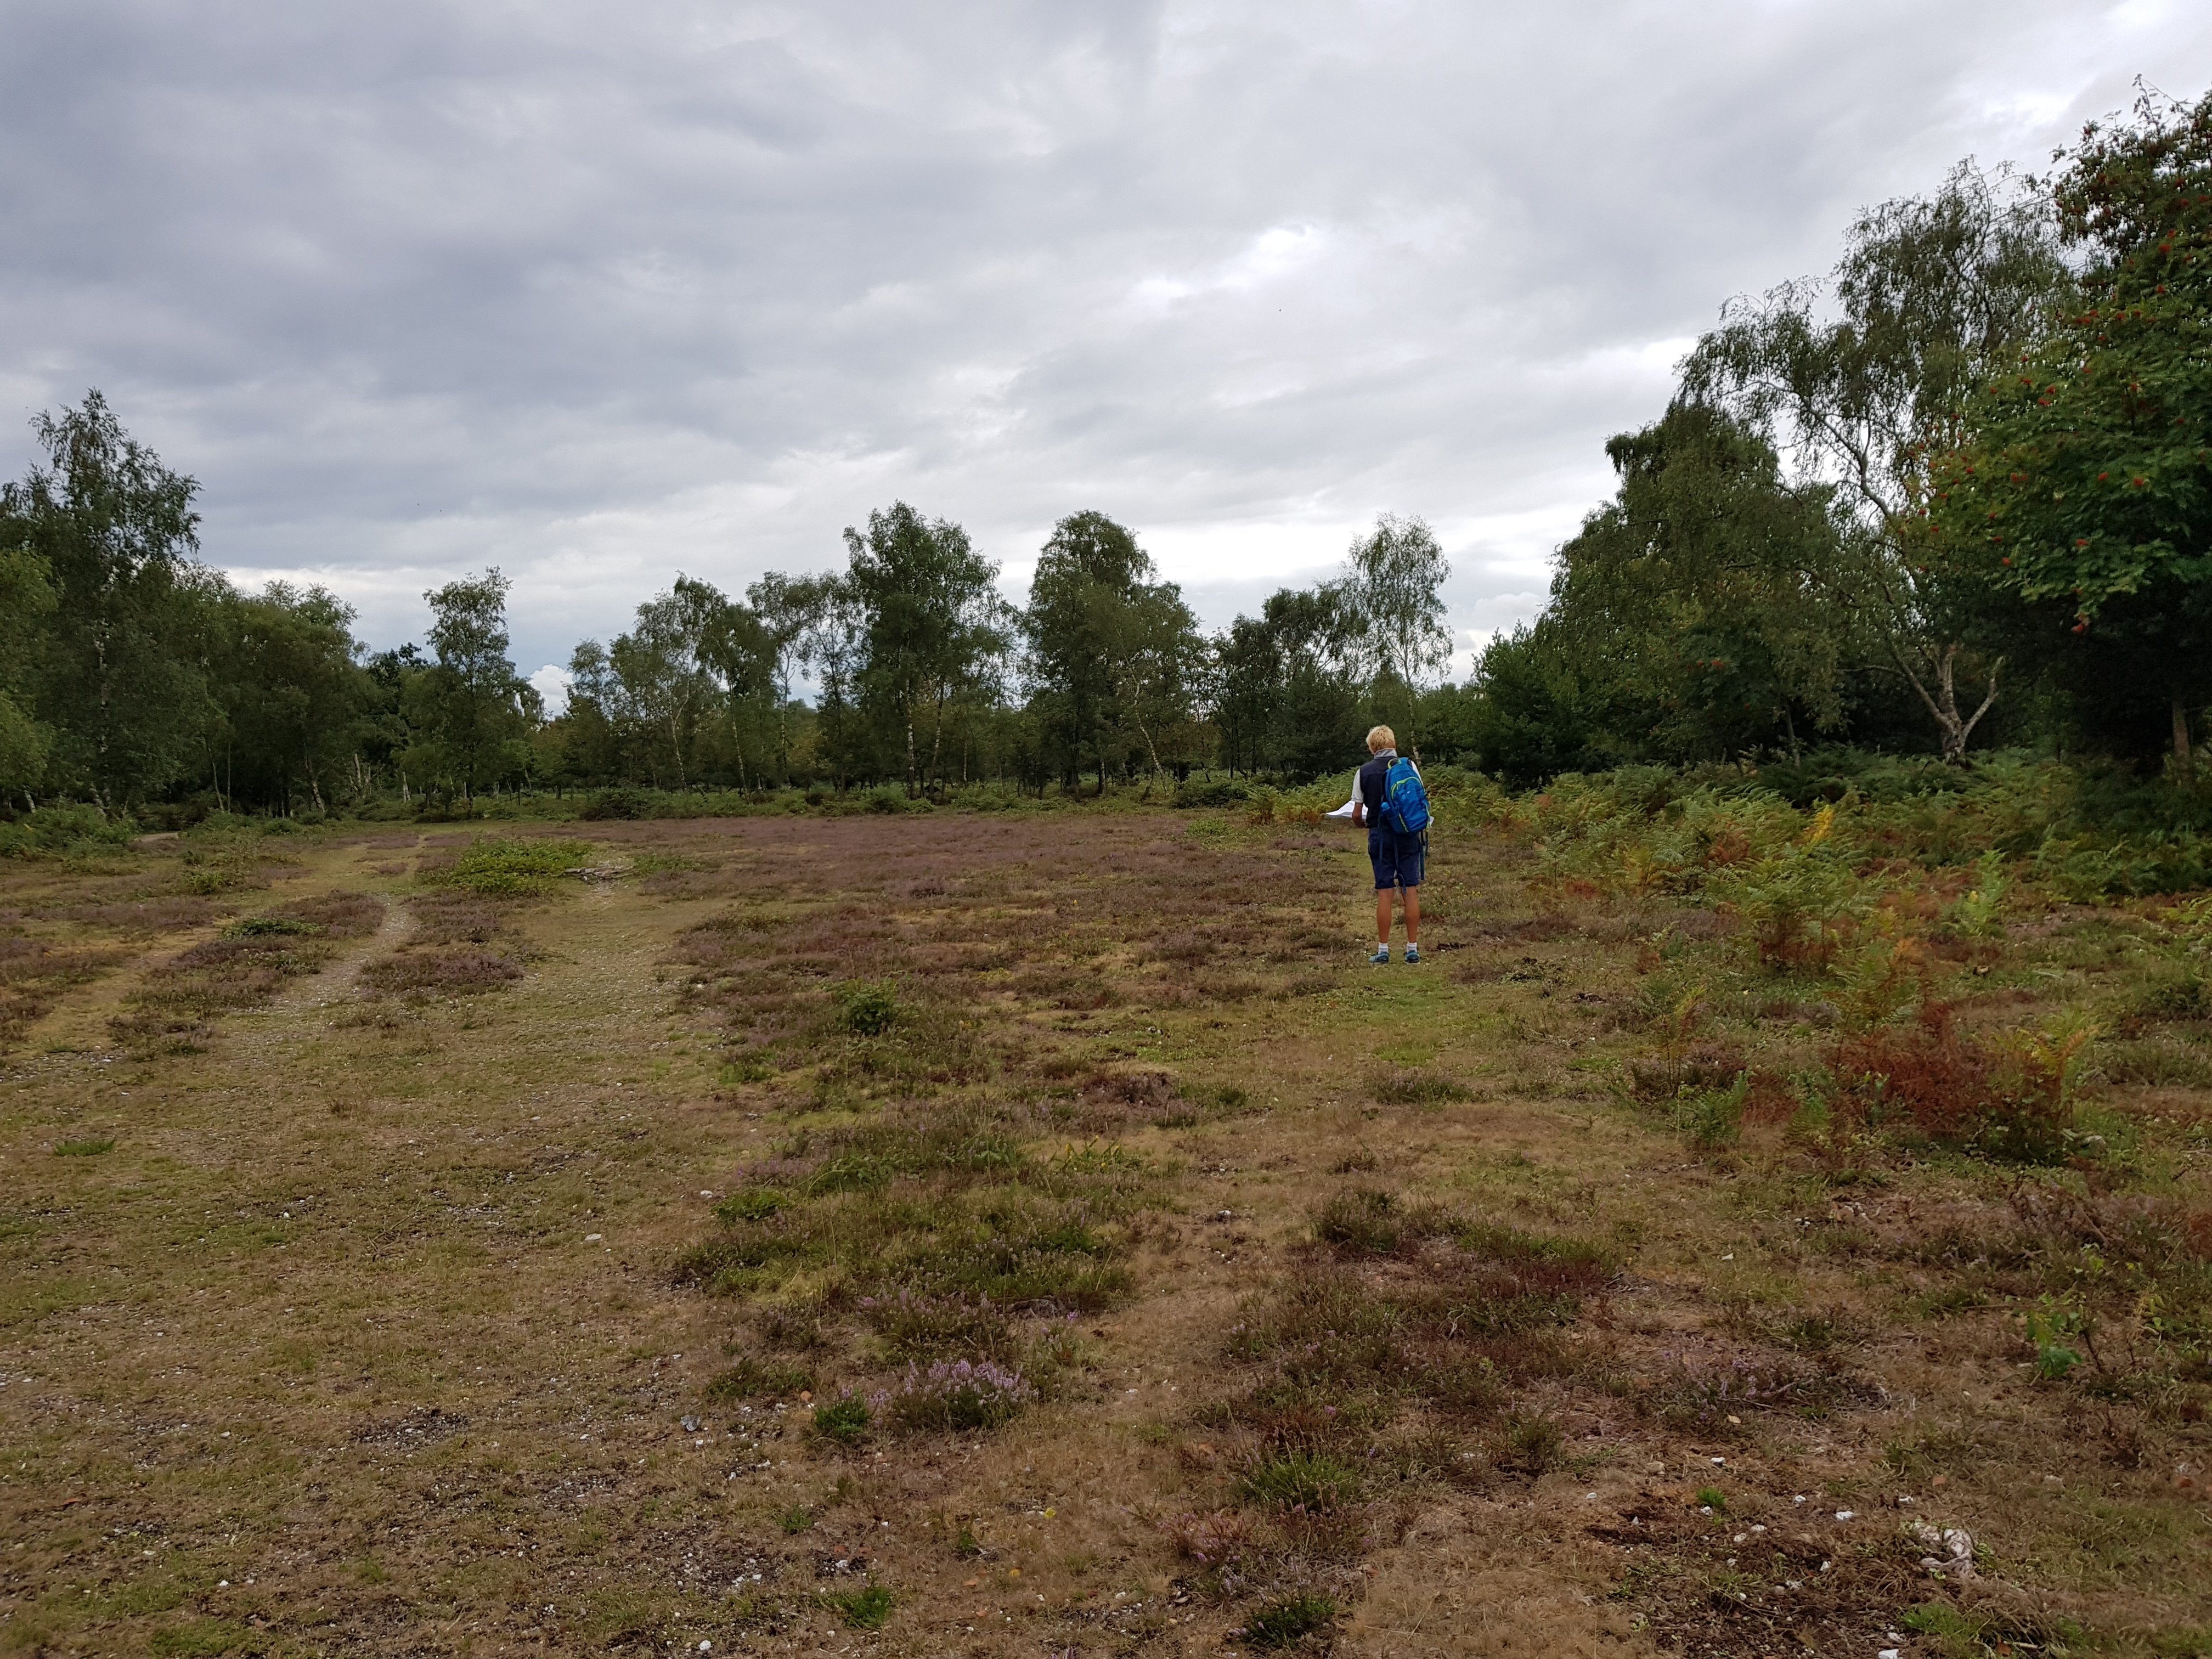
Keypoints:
pixel 1956 494
pixel 135 674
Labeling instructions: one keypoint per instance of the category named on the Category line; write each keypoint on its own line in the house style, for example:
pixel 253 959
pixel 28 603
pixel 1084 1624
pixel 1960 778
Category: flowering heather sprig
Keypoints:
pixel 959 1394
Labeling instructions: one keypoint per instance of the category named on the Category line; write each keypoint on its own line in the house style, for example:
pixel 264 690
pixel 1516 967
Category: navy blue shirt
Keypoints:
pixel 1371 777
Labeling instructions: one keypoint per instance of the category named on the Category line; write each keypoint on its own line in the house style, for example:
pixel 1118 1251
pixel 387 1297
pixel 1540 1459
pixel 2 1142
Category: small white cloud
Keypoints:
pixel 553 682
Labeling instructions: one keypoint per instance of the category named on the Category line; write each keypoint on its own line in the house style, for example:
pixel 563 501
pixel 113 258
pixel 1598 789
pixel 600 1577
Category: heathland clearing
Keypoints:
pixel 950 1233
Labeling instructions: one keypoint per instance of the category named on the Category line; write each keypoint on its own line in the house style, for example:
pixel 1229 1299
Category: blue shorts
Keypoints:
pixel 1397 859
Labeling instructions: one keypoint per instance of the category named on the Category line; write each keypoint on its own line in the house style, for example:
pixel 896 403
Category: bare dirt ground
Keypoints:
pixel 1045 1236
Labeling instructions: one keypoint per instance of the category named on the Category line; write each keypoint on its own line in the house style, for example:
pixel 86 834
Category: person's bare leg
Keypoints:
pixel 1382 917
pixel 1412 915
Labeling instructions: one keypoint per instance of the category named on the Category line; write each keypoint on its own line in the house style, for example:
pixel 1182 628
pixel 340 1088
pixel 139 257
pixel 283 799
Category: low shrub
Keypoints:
pixel 1219 1540
pixel 605 804
pixel 1193 793
pixel 1713 1118
pixel 53 830
pixel 1419 1088
pixel 866 1007
pixel 1694 1394
pixel 440 973
pixel 748 1378
pixel 1313 1482
pixel 1359 1218
pixel 1960 1091
pixel 1289 1620
pixel 268 928
pixel 509 868
pixel 928 1327
pixel 844 1419
pixel 957 1394
pixel 751 1204
pixel 1532 1443
pixel 869 1608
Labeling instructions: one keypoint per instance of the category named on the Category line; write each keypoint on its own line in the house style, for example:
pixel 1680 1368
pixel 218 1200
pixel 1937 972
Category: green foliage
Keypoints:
pixel 473 711
pixel 1288 1620
pixel 1113 653
pixel 751 1378
pixel 844 1419
pixel 117 671
pixel 499 867
pixel 270 927
pixel 1691 615
pixel 795 1519
pixel 1313 1482
pixel 866 1007
pixel 1713 1118
pixel 926 623
pixel 90 1147
pixel 1863 375
pixel 1975 913
pixel 1713 1498
pixel 1955 1632
pixel 2055 1330
pixel 201 1638
pixel 751 1204
pixel 53 830
pixel 869 1608
pixel 614 804
pixel 2084 484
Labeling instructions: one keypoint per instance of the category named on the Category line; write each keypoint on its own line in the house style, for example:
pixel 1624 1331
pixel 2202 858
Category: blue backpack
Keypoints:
pixel 1404 799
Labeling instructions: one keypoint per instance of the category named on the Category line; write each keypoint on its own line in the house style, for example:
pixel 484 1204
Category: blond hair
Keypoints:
pixel 1380 737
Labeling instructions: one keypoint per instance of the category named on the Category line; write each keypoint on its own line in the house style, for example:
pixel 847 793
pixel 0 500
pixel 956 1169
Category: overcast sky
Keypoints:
pixel 600 292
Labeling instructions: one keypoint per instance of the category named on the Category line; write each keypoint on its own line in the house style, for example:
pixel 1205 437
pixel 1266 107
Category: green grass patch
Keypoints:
pixel 203 1638
pixel 270 927
pixel 844 1419
pixel 869 1608
pixel 932 1205
pixel 866 1007
pixel 1311 1482
pixel 499 867
pixel 754 1378
pixel 92 1147
pixel 1289 1620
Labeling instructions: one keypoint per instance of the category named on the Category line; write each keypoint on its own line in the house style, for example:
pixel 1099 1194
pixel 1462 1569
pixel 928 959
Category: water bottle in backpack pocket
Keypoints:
pixel 1404 799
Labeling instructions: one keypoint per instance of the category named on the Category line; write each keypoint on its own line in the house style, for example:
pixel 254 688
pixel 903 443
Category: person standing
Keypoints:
pixel 1382 803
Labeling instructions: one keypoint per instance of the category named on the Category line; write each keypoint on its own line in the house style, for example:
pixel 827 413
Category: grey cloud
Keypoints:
pixel 598 292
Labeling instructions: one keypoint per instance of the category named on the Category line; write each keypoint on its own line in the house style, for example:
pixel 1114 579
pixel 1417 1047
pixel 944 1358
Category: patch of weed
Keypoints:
pixel 866 1007
pixel 844 1419
pixel 1419 1088
pixel 203 1638
pixel 500 867
pixel 753 1378
pixel 867 1608
pixel 1314 1482
pixel 961 1395
pixel 1287 1621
